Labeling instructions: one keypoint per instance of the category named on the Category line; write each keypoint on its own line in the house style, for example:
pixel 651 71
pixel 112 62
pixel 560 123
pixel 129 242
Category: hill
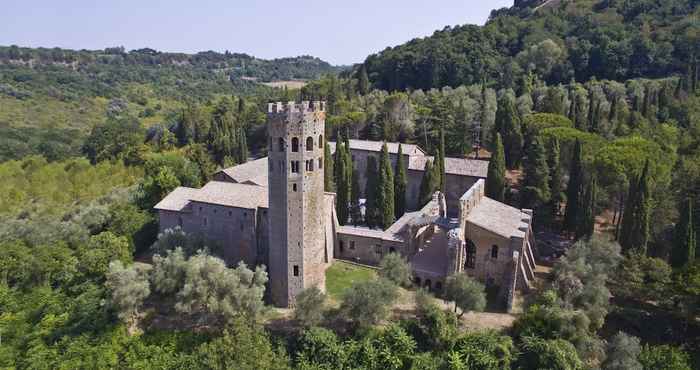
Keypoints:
pixel 557 40
pixel 50 98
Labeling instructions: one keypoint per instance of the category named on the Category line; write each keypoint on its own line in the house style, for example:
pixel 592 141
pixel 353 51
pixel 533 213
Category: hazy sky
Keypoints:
pixel 339 32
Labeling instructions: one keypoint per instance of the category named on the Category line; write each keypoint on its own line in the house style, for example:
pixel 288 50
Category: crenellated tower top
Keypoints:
pixel 281 108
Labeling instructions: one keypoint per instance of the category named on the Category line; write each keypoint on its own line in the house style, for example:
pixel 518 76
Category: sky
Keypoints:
pixel 338 32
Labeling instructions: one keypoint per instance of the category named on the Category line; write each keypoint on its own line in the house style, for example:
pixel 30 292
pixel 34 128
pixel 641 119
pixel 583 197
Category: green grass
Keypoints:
pixel 341 275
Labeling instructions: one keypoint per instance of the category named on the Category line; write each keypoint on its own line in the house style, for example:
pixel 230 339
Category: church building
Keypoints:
pixel 274 211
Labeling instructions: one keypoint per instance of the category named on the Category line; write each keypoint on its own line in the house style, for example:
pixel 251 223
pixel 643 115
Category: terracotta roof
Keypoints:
pixel 499 218
pixel 453 166
pixel 176 200
pixel 368 233
pixel 216 192
pixel 232 195
pixel 253 172
pixel 376 146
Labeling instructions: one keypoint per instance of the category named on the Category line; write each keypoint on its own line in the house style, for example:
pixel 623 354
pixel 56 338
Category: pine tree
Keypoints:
pixel 426 185
pixel 573 190
pixel 634 233
pixel 328 183
pixel 536 190
pixel 685 238
pixel 400 185
pixel 441 162
pixel 371 188
pixel 586 224
pixel 341 183
pixel 496 180
pixel 363 80
pixel 509 126
pixel 385 194
pixel 555 176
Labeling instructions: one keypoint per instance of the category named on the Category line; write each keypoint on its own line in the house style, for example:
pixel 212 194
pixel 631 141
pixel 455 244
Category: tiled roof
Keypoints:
pixel 253 172
pixel 232 195
pixel 176 200
pixel 499 218
pixel 216 192
pixel 376 146
pixel 453 166
pixel 368 233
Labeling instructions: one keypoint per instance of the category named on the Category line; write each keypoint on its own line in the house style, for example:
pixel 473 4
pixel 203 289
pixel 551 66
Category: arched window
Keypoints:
pixel 494 252
pixel 309 144
pixel 295 144
pixel 280 144
pixel 470 262
pixel 320 141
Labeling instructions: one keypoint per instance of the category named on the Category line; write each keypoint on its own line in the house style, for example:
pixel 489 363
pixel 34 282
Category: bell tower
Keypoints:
pixel 297 214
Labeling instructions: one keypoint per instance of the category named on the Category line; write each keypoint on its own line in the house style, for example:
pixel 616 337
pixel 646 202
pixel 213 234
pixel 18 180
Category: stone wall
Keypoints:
pixel 236 229
pixel 364 249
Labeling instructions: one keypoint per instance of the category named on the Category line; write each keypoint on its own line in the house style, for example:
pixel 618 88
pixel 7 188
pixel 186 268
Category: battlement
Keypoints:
pixel 281 108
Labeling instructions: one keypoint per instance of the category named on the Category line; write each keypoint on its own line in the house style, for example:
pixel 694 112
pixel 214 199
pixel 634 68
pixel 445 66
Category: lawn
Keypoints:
pixel 341 275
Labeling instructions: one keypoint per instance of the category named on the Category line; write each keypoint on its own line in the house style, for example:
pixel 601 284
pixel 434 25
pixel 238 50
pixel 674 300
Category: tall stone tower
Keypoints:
pixel 297 212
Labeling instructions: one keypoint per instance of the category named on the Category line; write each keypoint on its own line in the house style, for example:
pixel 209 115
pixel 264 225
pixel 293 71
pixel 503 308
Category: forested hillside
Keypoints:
pixel 581 40
pixel 51 98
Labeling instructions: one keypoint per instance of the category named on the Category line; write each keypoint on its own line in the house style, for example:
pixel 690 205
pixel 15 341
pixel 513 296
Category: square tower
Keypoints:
pixel 297 213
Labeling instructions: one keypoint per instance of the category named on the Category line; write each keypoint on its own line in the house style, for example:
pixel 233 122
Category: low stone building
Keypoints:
pixel 460 231
pixel 460 173
pixel 489 240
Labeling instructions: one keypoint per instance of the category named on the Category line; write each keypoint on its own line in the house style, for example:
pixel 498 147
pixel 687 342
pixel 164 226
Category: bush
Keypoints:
pixel 467 293
pixel 394 268
pixel 664 358
pixel 367 303
pixel 623 351
pixel 309 308
pixel 553 354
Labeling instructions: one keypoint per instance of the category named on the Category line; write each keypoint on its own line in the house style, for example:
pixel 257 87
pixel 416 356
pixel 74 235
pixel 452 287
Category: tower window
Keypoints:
pixel 320 163
pixel 309 144
pixel 295 144
pixel 310 165
pixel 280 144
pixel 295 166
pixel 296 270
pixel 494 252
pixel 294 187
pixel 320 141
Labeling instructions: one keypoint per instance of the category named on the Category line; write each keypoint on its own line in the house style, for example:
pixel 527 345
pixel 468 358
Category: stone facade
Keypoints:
pixel 273 211
pixel 298 257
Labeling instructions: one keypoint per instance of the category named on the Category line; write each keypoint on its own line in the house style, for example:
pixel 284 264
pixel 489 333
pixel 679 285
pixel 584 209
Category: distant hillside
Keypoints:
pixel 69 73
pixel 557 40
pixel 51 98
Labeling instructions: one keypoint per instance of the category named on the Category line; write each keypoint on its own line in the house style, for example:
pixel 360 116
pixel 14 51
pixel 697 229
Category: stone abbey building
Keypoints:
pixel 274 211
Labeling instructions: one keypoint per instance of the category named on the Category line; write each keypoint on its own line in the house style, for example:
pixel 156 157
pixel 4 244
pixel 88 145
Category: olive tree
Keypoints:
pixel 467 293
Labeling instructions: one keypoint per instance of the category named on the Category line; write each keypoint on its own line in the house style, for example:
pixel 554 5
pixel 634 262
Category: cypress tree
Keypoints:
pixel 241 106
pixel 441 162
pixel 400 185
pixel 586 224
pixel 341 183
pixel 685 238
pixel 634 233
pixel 363 80
pixel 573 190
pixel 355 213
pixel 242 146
pixel 426 185
pixel 385 198
pixel 371 189
pixel 555 176
pixel 536 190
pixel 496 180
pixel 328 183
pixel 509 126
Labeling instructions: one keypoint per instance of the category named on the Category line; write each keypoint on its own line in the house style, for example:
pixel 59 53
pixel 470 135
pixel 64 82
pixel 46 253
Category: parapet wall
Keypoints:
pixel 280 108
pixel 471 198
